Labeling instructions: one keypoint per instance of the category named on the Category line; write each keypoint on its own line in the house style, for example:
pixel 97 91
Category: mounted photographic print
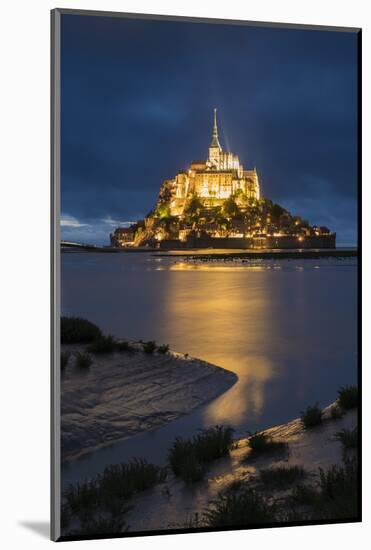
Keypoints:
pixel 205 282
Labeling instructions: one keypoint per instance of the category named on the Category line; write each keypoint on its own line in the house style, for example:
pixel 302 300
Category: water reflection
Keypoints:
pixel 245 401
pixel 289 333
pixel 185 266
pixel 227 324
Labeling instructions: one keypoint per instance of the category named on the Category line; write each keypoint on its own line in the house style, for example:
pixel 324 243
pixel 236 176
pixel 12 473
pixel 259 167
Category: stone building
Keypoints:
pixel 217 203
pixel 213 180
pixel 122 236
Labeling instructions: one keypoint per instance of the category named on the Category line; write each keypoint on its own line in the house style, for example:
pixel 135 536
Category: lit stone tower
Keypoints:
pixel 213 180
pixel 215 148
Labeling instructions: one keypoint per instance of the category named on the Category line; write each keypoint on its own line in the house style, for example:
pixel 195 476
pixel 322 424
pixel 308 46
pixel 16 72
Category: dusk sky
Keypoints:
pixel 137 102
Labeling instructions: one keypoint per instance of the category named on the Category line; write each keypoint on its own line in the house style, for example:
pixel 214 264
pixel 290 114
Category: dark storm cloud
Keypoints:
pixel 137 99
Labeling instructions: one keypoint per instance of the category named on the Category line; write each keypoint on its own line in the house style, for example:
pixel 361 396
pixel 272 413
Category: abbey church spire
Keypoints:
pixel 215 140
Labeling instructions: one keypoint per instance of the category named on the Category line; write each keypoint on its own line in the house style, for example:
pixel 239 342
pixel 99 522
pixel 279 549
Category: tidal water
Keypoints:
pixel 287 328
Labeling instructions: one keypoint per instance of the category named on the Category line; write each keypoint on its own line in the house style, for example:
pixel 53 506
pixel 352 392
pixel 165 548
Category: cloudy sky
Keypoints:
pixel 137 101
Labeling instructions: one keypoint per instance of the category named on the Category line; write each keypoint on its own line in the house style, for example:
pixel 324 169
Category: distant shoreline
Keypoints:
pixel 220 255
pixel 309 254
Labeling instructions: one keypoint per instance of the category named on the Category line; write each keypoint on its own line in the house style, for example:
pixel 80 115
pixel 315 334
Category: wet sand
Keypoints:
pixel 172 505
pixel 125 393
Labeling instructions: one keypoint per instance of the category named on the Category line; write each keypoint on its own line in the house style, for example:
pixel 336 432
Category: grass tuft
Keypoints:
pixel 102 345
pixel 82 500
pixel 65 516
pixel 104 499
pixel 348 438
pixel 338 492
pixel 83 360
pixel 181 451
pixel 122 345
pixel 235 485
pixel 336 496
pixel 312 416
pixel 260 443
pixel 123 480
pixel 213 443
pixel 188 457
pixel 75 330
pixel 282 476
pixel 306 495
pixel 163 349
pixel 191 469
pixel 193 521
pixel 246 508
pixel 348 397
pixel 65 357
pixel 336 412
pixel 102 525
pixel 149 347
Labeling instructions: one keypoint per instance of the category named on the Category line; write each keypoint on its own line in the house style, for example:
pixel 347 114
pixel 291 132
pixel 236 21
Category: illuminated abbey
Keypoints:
pixel 213 180
pixel 216 203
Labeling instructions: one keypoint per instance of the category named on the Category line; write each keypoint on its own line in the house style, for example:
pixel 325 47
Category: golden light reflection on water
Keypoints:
pixel 194 266
pixel 184 266
pixel 219 320
pixel 246 398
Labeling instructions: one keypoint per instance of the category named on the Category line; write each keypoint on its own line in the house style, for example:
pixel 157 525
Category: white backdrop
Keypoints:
pixel 24 305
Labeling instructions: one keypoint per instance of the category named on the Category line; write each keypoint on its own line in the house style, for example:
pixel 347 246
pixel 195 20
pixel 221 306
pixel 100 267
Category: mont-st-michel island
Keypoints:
pixel 205 276
pixel 218 203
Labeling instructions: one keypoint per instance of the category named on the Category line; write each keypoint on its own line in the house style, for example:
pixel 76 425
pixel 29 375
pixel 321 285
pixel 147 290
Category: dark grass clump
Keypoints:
pixel 65 357
pixel 104 500
pixel 348 397
pixel 213 443
pixel 260 443
pixel 180 453
pixel 115 485
pixel 83 360
pixel 65 516
pixel 235 485
pixel 338 497
pixel 149 347
pixel 163 349
pixel 282 476
pixel 193 521
pixel 102 525
pixel 82 500
pixel 305 495
pixel 334 497
pixel 246 508
pixel 191 469
pixel 122 345
pixel 75 330
pixel 188 457
pixel 312 416
pixel 123 480
pixel 336 412
pixel 294 515
pixel 103 345
pixel 348 438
